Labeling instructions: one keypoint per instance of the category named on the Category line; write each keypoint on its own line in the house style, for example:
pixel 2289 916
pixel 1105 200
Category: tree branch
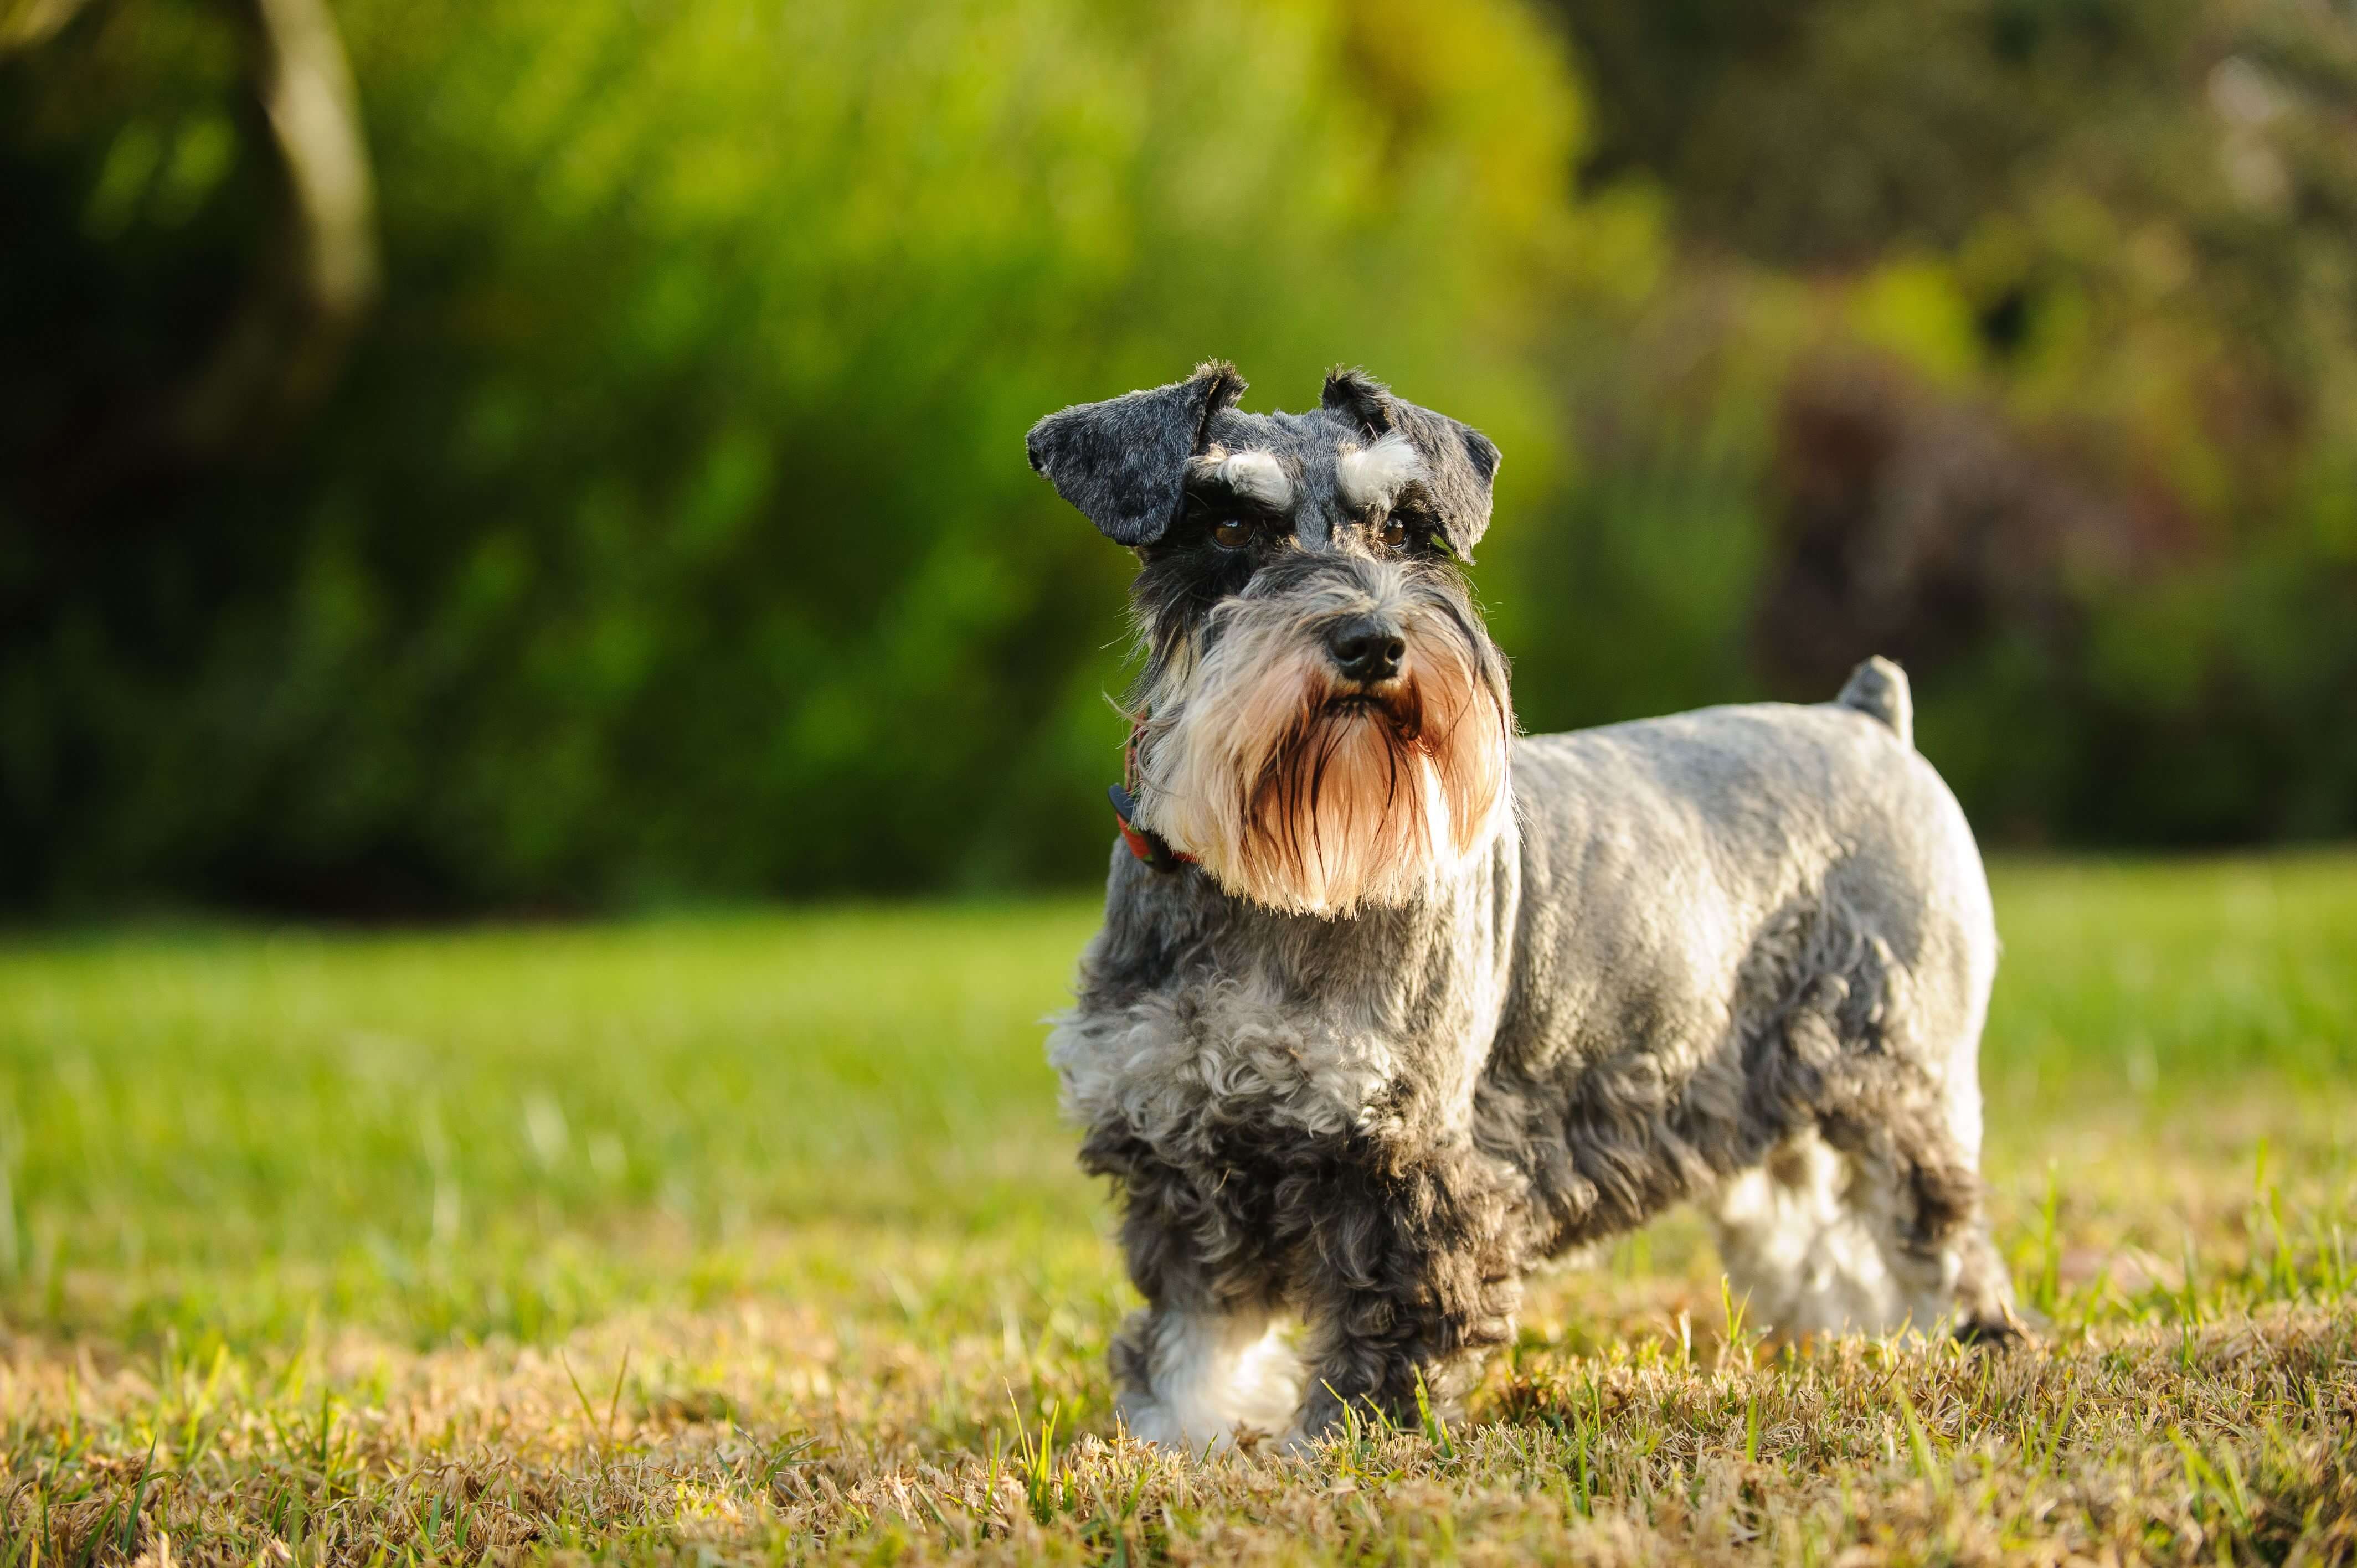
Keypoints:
pixel 283 347
pixel 28 24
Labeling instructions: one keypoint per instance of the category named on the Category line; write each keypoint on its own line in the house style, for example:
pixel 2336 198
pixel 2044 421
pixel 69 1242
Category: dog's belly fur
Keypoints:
pixel 1739 956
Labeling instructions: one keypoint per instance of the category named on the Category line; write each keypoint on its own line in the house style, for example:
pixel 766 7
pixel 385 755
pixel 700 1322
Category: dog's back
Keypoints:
pixel 1661 851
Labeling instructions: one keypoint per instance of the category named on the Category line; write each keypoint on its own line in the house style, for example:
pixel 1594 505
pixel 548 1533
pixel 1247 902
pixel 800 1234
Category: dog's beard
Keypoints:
pixel 1311 795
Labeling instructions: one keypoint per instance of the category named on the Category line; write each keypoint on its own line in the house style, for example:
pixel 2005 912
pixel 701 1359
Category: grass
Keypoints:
pixel 755 1238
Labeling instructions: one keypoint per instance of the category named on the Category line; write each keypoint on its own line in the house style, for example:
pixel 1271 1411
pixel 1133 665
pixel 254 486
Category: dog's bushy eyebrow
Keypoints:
pixel 1254 478
pixel 1379 474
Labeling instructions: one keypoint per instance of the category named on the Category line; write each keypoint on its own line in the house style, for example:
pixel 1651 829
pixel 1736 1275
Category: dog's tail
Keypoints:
pixel 1877 688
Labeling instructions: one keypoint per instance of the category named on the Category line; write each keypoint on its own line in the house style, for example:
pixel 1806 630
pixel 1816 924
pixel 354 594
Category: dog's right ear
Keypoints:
pixel 1124 462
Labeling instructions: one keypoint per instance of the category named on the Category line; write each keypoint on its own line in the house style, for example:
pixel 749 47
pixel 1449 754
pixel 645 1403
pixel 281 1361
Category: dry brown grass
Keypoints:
pixel 753 1434
pixel 949 1404
pixel 319 1260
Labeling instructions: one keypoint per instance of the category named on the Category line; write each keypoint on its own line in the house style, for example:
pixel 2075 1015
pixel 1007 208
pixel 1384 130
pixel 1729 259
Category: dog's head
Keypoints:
pixel 1323 719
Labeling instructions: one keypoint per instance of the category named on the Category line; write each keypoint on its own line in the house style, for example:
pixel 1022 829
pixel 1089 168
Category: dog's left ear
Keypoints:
pixel 1124 462
pixel 1461 462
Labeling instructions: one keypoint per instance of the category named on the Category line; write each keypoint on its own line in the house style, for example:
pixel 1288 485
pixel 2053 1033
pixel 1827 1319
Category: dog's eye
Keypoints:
pixel 1234 532
pixel 1395 535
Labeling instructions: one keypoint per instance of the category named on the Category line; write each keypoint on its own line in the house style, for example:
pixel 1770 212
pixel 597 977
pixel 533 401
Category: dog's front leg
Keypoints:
pixel 1195 1375
pixel 1205 1358
pixel 1409 1274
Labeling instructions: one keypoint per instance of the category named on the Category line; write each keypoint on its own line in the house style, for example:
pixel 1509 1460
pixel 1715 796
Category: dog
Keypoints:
pixel 1392 1004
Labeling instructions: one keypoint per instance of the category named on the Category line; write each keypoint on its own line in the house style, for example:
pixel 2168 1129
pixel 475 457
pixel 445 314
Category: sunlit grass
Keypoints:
pixel 504 1131
pixel 759 1232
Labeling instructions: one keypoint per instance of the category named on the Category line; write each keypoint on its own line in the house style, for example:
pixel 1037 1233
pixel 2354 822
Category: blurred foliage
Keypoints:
pixel 669 531
pixel 2017 338
pixel 667 534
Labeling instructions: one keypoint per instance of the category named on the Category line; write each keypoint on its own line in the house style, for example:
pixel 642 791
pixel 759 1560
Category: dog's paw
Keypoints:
pixel 1997 1333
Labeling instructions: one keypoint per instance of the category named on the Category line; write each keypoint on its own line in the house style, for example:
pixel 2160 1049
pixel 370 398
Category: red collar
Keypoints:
pixel 1143 841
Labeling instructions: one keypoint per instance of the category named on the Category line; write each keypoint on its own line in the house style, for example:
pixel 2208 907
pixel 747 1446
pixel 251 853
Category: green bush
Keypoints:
pixel 666 535
pixel 669 532
pixel 2093 262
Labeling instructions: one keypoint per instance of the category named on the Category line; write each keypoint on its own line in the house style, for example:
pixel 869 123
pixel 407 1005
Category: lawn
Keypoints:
pixel 756 1237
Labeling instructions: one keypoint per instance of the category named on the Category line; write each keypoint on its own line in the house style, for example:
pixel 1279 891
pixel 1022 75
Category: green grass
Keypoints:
pixel 759 1235
pixel 511 1132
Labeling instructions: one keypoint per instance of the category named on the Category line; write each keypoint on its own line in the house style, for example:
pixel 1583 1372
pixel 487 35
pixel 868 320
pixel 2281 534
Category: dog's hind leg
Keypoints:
pixel 1864 1223
pixel 1863 1211
pixel 1918 1190
pixel 1800 1256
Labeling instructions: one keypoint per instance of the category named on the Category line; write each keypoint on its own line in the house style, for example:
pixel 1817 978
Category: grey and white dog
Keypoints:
pixel 1392 1004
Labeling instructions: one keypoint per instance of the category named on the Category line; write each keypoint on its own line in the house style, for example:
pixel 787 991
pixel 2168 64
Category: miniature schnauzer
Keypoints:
pixel 1392 1003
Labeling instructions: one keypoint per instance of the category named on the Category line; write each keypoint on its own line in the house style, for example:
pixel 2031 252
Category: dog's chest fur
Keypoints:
pixel 1203 1022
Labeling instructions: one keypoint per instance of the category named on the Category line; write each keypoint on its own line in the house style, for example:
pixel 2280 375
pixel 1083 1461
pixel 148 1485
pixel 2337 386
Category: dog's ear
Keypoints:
pixel 1124 462
pixel 1461 462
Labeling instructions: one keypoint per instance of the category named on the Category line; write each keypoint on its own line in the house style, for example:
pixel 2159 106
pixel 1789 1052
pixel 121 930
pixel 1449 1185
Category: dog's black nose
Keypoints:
pixel 1364 649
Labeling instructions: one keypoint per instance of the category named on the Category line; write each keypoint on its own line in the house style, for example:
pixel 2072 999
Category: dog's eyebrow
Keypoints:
pixel 1255 476
pixel 1370 477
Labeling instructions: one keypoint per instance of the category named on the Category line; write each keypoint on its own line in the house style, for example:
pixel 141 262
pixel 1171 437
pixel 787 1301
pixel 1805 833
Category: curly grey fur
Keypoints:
pixel 1740 957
